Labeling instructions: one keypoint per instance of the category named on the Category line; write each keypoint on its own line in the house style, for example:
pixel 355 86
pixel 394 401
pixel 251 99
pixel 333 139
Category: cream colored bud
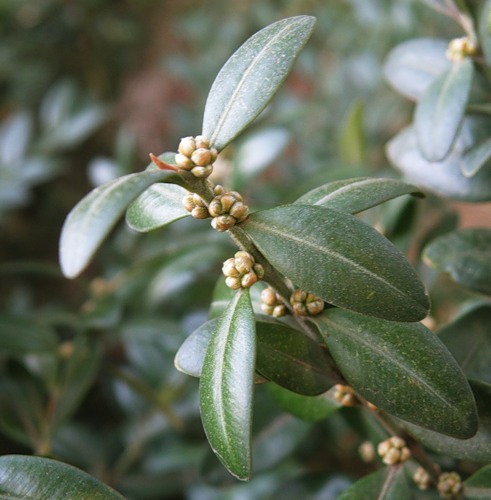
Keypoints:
pixel 226 200
pixel 249 279
pixel 183 162
pixel 198 201
pixel 239 211
pixel 215 207
pixel 229 269
pixel 223 222
pixel 315 306
pixel 218 190
pixel 422 478
pixel 298 295
pixel 188 202
pixel 201 157
pixel 300 309
pixel 393 451
pixel 202 142
pixel 267 309
pixel 269 297
pixel 233 283
pixel 214 154
pixel 449 484
pixel 459 48
pixel 200 213
pixel 279 311
pixel 244 264
pixel 202 172
pixel 187 146
pixel 344 395
pixel 367 452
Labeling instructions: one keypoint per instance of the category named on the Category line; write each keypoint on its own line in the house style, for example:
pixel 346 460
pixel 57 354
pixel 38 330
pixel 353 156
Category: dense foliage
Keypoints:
pixel 311 352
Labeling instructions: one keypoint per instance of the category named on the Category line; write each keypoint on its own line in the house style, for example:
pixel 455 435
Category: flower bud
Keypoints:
pixel 248 279
pixel 271 303
pixel 229 269
pixel 202 172
pixel 187 146
pixel 460 48
pixel 202 142
pixel 183 162
pixel 393 451
pixel 244 263
pixel 259 270
pixel 196 205
pixel 449 484
pixel 222 222
pixel 421 478
pixel 200 213
pixel 233 283
pixel 201 157
pixel 305 303
pixel 367 452
pixel 188 202
pixel 239 270
pixel 239 211
pixel 344 395
pixel 218 190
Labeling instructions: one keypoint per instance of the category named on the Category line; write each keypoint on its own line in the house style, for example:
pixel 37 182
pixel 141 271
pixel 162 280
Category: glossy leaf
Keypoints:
pixel 476 448
pixel 443 178
pixel 468 338
pixel 88 224
pixel 227 384
pixel 404 369
pixel 293 360
pixel 310 408
pixel 45 479
pixel 156 207
pixel 478 486
pixel 388 483
pixel 340 259
pixel 485 30
pixel 466 255
pixel 250 78
pixel 412 66
pixel 439 113
pixel 476 157
pixel 358 194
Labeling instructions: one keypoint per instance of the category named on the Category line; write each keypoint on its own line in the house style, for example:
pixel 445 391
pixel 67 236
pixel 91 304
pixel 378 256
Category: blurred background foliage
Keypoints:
pixel 87 90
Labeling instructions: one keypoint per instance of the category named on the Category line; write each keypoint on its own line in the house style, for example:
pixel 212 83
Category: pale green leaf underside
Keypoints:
pixel 340 259
pixel 227 385
pixel 159 205
pixel 251 76
pixel 439 113
pixel 357 194
pixel 421 381
pixel 37 478
pixel 88 224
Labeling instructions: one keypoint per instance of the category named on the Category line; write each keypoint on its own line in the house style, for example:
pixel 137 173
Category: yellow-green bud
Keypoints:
pixel 201 157
pixel 223 222
pixel 449 484
pixel 241 270
pixel 244 263
pixel 269 297
pixel 196 205
pixel 259 270
pixel 187 146
pixel 239 211
pixel 188 202
pixel 421 478
pixel 202 172
pixel 393 451
pixel 183 162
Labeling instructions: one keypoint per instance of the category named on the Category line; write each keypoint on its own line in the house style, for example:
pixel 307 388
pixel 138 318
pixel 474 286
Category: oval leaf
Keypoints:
pixel 468 338
pixel 88 224
pixel 45 479
pixel 443 178
pixel 412 66
pixel 357 194
pixel 402 368
pixel 478 486
pixel 292 360
pixel 340 259
pixel 156 207
pixel 227 385
pixel 439 113
pixel 250 78
pixel 476 158
pixel 466 255
pixel 388 483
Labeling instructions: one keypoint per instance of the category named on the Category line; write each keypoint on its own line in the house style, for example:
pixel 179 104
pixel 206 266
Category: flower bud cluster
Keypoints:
pixel 227 209
pixel 196 156
pixel 272 304
pixel 196 205
pixel 393 451
pixel 421 478
pixel 305 303
pixel 460 48
pixel 241 271
pixel 449 484
pixel 345 395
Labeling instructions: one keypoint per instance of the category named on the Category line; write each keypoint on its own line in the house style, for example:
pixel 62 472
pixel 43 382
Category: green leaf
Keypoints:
pixel 404 369
pixel 466 255
pixel 38 478
pixel 478 486
pixel 388 483
pixel 20 336
pixel 468 338
pixel 412 66
pixel 439 114
pixel 352 141
pixel 250 78
pixel 159 205
pixel 357 194
pixel 227 386
pixel 222 295
pixel 310 408
pixel 476 448
pixel 476 157
pixel 293 360
pixel 443 178
pixel 340 259
pixel 485 31
pixel 88 224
